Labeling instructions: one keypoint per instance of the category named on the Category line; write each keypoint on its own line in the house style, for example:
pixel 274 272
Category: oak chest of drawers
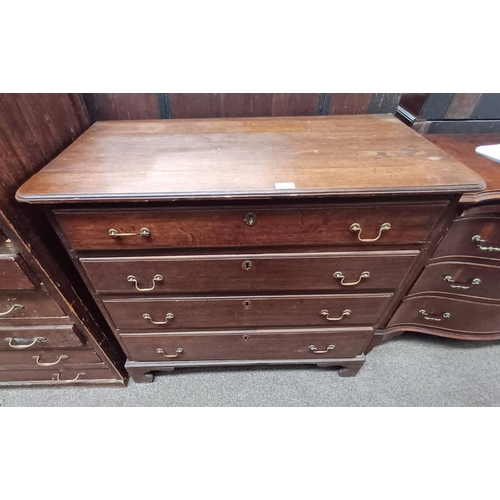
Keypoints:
pixel 240 242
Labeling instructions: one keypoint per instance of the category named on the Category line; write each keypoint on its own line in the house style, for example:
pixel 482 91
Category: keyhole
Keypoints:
pixel 245 337
pixel 247 265
pixel 246 303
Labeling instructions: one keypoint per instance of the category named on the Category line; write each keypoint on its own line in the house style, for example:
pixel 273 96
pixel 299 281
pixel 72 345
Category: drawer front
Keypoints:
pixel 454 315
pixel 301 345
pixel 12 274
pixel 460 278
pixel 19 339
pixel 39 358
pixel 236 312
pixel 14 307
pixel 475 237
pixel 57 376
pixel 375 223
pixel 248 272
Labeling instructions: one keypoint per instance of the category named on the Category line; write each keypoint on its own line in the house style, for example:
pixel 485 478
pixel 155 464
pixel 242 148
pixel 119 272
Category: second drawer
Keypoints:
pixel 18 339
pixel 49 358
pixel 251 311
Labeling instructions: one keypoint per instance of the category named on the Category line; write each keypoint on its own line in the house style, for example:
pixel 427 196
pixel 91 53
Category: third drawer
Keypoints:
pixel 246 311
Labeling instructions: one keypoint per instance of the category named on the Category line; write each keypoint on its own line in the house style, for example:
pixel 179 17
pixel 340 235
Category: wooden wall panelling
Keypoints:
pixel 349 104
pixel 435 106
pixel 488 108
pixel 122 106
pixel 462 106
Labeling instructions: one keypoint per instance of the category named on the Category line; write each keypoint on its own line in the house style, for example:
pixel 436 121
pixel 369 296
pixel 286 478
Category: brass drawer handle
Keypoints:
pixel 167 317
pixel 156 278
pixel 24 346
pixel 144 231
pixel 250 219
pixel 314 349
pixel 356 228
pixel 37 359
pixel 325 313
pixel 57 378
pixel 477 239
pixel 178 351
pixel 429 317
pixel 12 308
pixel 341 277
pixel 464 286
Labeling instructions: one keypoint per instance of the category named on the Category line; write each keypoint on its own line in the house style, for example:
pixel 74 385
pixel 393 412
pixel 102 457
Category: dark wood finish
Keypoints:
pixel 468 280
pixel 12 273
pixel 349 104
pixel 462 106
pixel 35 305
pixel 59 377
pixel 466 317
pixel 210 346
pixel 194 274
pixel 463 148
pixel 142 372
pixel 122 106
pixel 53 336
pixel 226 227
pixel 245 311
pixel 337 155
pixel 25 358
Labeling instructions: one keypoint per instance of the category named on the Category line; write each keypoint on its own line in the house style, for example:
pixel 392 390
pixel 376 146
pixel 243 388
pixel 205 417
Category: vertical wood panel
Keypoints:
pixel 349 104
pixel 122 106
pixel 436 106
pixel 294 104
pixel 488 108
pixel 383 103
pixel 462 106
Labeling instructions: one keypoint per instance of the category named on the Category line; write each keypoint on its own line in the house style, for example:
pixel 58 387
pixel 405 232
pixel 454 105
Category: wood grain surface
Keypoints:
pixel 241 158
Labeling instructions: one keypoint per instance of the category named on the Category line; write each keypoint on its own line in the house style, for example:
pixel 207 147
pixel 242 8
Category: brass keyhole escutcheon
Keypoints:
pixel 250 219
pixel 246 304
pixel 247 265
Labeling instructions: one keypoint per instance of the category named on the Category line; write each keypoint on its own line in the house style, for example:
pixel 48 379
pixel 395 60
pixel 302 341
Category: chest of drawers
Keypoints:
pixel 241 242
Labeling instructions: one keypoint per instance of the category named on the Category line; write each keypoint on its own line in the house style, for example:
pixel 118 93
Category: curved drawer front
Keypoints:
pixel 376 223
pixel 20 339
pixel 454 315
pixel 474 237
pixel 460 278
pixel 14 307
pixel 252 345
pixel 327 271
pixel 236 312
pixel 49 358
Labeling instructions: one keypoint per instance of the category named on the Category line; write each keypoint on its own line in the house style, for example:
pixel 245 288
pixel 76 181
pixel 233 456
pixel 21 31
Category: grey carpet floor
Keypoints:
pixel 411 370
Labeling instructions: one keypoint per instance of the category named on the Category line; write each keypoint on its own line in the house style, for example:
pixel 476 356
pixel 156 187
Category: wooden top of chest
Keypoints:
pixel 247 158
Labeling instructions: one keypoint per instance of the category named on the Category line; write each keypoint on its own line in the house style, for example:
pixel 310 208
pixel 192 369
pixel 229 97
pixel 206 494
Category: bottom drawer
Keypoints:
pixel 49 358
pixel 454 315
pixel 300 344
pixel 12 339
pixel 57 377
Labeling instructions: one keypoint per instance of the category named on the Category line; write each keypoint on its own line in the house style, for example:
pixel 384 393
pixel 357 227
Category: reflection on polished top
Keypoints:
pixel 247 158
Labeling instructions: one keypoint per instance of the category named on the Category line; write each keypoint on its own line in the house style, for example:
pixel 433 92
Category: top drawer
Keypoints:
pixel 12 273
pixel 355 224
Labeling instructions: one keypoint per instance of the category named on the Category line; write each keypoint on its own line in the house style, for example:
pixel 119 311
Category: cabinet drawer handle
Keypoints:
pixel 24 346
pixel 477 239
pixel 167 317
pixel 156 278
pixel 429 317
pixel 464 286
pixel 356 228
pixel 57 377
pixel 37 359
pixel 144 231
pixel 250 219
pixel 12 308
pixel 178 351
pixel 314 349
pixel 325 313
pixel 341 277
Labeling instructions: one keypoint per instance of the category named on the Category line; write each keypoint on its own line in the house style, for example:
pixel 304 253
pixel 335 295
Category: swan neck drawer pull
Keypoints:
pixel 477 239
pixel 178 351
pixel 13 307
pixel 144 231
pixel 463 286
pixel 37 359
pixel 156 279
pixel 429 317
pixel 341 277
pixel 24 346
pixel 167 318
pixel 57 378
pixel 356 228
pixel 325 313
pixel 314 349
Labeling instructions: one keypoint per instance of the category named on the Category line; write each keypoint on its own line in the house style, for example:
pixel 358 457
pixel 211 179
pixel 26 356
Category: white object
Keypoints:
pixel 286 185
pixel 492 151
